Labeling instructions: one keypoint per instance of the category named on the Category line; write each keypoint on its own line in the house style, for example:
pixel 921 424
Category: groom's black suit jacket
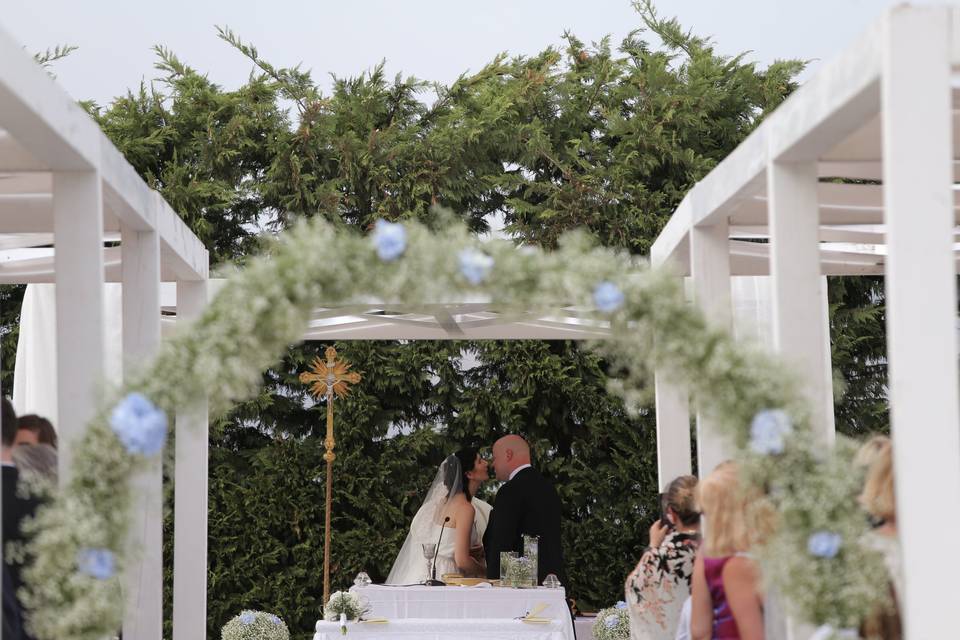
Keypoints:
pixel 529 505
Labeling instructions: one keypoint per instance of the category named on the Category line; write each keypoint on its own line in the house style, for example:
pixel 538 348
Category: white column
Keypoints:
pixel 143 616
pixel 190 489
pixel 922 308
pixel 710 270
pixel 78 240
pixel 673 430
pixel 798 331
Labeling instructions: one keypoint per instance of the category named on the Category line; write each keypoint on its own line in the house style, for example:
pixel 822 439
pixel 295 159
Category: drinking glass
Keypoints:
pixel 429 550
pixel 506 559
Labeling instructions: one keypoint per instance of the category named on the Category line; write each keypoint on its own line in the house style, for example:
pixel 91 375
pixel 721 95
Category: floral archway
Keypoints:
pixel 814 558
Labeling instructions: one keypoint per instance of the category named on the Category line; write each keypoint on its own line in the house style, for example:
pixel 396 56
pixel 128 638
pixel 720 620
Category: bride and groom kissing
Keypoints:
pixel 472 535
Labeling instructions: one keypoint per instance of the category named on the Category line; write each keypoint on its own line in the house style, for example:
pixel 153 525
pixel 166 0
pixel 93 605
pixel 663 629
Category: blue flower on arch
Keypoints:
pixel 607 297
pixel 389 239
pixel 96 563
pixel 769 430
pixel 140 426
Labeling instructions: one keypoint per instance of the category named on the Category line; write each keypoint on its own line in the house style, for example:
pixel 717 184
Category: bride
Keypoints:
pixel 448 509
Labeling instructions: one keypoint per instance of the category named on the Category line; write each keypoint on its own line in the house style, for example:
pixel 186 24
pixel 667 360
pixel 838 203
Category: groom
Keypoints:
pixel 526 504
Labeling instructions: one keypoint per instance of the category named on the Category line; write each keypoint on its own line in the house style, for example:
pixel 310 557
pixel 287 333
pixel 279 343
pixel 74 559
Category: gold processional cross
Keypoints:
pixel 327 379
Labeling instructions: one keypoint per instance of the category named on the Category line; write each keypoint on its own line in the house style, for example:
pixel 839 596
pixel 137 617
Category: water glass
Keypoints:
pixel 506 561
pixel 429 550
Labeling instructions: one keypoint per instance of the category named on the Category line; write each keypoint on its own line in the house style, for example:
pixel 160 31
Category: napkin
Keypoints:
pixel 483 585
pixel 534 617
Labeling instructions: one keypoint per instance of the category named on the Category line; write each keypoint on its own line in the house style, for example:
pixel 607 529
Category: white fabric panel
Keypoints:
pixel 35 371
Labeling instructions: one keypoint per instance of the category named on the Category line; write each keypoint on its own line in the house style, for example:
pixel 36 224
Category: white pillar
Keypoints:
pixel 143 616
pixel 710 270
pixel 673 430
pixel 798 327
pixel 78 241
pixel 190 489
pixel 922 308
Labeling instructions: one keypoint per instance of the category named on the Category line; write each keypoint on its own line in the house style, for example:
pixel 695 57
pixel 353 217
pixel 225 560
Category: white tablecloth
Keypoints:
pixel 461 602
pixel 433 607
pixel 437 629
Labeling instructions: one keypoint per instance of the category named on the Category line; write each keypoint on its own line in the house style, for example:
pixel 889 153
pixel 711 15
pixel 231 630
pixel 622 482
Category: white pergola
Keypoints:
pixel 62 183
pixel 884 111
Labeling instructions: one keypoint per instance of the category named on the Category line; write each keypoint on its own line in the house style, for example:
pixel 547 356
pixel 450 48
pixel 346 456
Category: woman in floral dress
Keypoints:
pixel 658 587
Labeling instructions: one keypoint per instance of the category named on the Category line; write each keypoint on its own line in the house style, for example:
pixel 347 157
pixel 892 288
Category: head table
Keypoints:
pixel 459 612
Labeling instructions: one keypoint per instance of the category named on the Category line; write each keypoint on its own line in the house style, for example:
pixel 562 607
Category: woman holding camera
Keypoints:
pixel 657 588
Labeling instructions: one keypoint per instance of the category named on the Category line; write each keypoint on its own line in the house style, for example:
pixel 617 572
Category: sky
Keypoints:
pixel 430 39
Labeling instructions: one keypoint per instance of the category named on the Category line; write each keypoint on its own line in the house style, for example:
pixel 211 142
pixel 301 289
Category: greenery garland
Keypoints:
pixel 815 559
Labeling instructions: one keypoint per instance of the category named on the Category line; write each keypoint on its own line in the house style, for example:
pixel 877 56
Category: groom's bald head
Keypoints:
pixel 509 452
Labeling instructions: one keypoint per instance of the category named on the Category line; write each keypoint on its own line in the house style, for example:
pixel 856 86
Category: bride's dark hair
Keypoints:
pixel 468 460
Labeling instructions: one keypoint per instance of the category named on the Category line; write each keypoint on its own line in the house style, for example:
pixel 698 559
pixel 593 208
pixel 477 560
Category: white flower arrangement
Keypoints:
pixel 255 625
pixel 344 603
pixel 612 623
pixel 78 541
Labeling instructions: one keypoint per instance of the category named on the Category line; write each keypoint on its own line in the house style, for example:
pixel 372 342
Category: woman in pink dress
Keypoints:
pixel 727 600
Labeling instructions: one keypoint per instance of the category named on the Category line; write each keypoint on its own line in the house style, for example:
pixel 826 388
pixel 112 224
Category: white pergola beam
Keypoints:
pixel 190 497
pixel 143 615
pixel 798 323
pixel 922 307
pixel 710 271
pixel 830 106
pixel 46 122
pixel 673 431
pixel 81 343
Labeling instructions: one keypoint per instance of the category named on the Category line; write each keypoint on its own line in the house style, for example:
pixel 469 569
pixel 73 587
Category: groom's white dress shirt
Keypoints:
pixel 518 470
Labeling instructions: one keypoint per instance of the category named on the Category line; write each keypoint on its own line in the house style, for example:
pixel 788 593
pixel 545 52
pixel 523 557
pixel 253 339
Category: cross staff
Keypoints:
pixel 327 379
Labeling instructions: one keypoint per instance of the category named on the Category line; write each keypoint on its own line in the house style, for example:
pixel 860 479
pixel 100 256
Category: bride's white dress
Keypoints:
pixel 411 566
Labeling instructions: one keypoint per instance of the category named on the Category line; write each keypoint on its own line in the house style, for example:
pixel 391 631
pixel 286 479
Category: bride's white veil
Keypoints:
pixel 410 566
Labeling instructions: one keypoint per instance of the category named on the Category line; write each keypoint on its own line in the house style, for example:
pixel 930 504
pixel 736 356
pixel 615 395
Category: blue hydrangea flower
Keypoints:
pixel 768 430
pixel 96 563
pixel 247 617
pixel 824 544
pixel 607 297
pixel 390 240
pixel 141 427
pixel 620 605
pixel 611 622
pixel 274 619
pixel 475 265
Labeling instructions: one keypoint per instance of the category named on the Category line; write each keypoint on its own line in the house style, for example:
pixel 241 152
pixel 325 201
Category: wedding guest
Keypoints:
pixel 15 507
pixel 659 585
pixel 879 501
pixel 36 463
pixel 870 451
pixel 727 599
pixel 33 429
pixel 527 504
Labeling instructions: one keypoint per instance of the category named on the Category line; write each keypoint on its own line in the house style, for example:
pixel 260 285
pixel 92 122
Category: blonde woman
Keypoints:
pixel 879 501
pixel 727 598
pixel 657 588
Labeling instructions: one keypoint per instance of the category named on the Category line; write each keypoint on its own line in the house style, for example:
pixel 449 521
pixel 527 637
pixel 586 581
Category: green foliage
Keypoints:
pixel 859 340
pixel 11 299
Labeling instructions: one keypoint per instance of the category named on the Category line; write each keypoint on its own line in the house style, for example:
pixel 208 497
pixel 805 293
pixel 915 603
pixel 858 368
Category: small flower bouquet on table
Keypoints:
pixel 344 606
pixel 612 623
pixel 255 625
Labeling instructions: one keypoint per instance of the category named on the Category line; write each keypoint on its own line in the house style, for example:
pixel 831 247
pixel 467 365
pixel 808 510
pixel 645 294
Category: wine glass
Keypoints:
pixel 429 550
